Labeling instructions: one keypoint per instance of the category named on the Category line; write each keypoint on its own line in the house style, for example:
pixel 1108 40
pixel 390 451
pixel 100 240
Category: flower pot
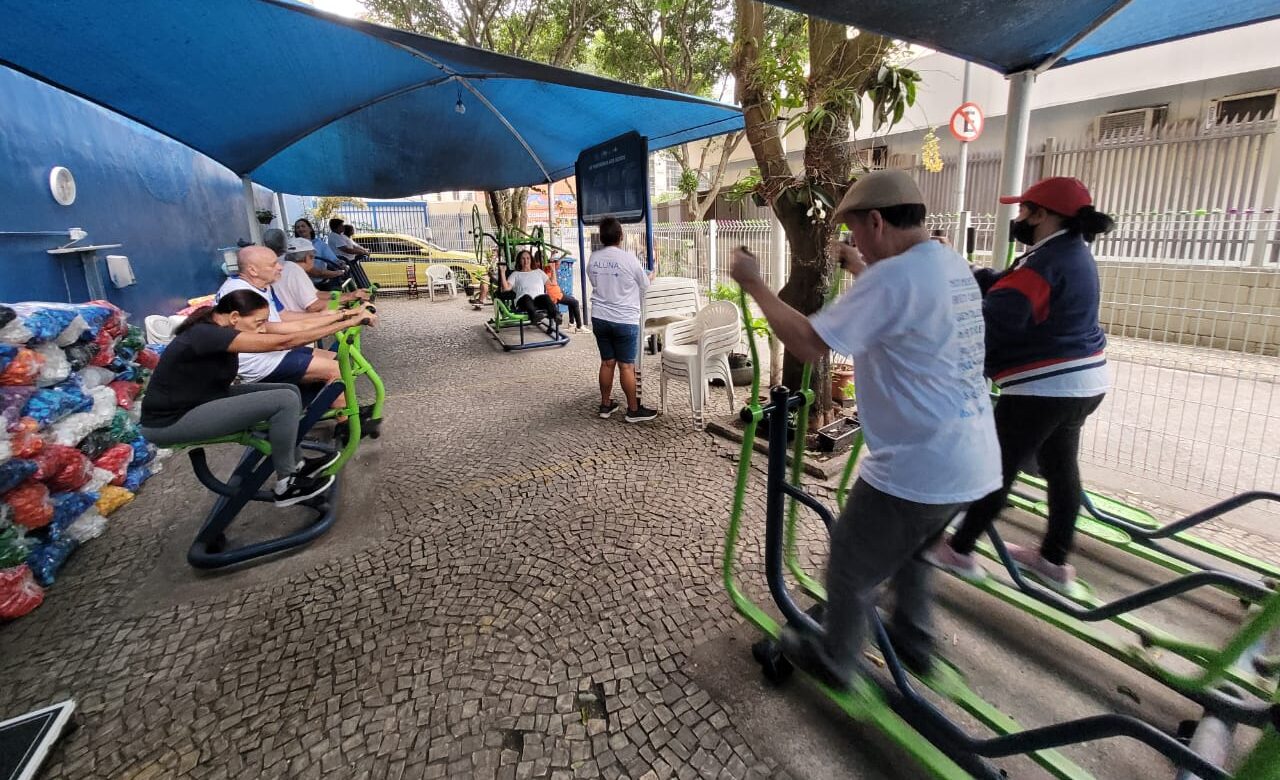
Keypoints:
pixel 841 377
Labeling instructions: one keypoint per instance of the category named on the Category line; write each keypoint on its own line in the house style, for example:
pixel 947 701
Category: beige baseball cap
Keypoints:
pixel 878 190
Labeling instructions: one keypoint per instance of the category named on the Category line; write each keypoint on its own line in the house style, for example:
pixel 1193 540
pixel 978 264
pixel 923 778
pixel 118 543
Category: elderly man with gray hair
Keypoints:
pixel 295 288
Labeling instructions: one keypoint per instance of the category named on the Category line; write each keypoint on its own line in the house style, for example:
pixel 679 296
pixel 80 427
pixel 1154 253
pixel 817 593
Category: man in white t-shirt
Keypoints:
pixel 618 281
pixel 342 245
pixel 259 270
pixel 295 289
pixel 912 322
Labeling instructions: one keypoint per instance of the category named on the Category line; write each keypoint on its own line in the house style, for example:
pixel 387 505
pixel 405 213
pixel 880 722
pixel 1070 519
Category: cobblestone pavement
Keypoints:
pixel 531 583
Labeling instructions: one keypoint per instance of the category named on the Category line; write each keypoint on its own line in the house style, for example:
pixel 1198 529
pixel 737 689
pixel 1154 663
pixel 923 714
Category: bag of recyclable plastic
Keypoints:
pixel 74 331
pixel 123 427
pixel 12 401
pixel 72 430
pixel 100 480
pixel 126 393
pixel 143 452
pixel 96 443
pixel 44 322
pixel 47 558
pixel 56 367
pixel 62 467
pixel 106 345
pixel 14 546
pixel 111 498
pixel 149 358
pixel 90 525
pixel 24 369
pixel 6 516
pixel 19 593
pixel 95 376
pixel 79 355
pixel 67 508
pixel 16 471
pixel 48 405
pixel 30 502
pixel 134 478
pixel 6 451
pixel 7 315
pixel 7 353
pixel 25 440
pixel 116 460
pixel 96 315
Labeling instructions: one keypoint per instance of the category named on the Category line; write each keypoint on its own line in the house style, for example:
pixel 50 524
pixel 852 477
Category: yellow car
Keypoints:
pixel 390 254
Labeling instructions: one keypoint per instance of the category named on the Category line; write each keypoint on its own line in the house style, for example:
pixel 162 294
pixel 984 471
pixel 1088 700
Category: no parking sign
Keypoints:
pixel 967 122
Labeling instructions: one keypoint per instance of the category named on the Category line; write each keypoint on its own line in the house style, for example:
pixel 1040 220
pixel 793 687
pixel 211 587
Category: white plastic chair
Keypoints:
pixel 159 328
pixel 669 299
pixel 697 350
pixel 441 276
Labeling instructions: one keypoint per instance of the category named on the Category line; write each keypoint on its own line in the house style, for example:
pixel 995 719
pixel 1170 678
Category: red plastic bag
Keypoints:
pixel 62 468
pixel 19 593
pixel 148 359
pixel 116 460
pixel 25 440
pixel 126 393
pixel 31 505
pixel 106 348
pixel 24 369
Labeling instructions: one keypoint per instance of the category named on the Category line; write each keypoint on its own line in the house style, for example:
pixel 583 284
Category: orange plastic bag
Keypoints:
pixel 24 369
pixel 31 505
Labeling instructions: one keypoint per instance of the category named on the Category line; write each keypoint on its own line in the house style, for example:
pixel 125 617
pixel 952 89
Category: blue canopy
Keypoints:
pixel 1013 36
pixel 305 102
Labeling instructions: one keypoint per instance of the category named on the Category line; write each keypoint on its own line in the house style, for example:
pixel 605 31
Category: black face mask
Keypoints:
pixel 1024 232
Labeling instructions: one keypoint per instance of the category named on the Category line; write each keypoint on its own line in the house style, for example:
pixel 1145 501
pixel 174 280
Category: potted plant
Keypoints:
pixel 740 362
pixel 841 378
pixel 265 216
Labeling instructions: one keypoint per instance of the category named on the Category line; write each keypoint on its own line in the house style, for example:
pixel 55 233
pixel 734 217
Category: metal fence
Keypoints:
pixel 704 250
pixel 406 217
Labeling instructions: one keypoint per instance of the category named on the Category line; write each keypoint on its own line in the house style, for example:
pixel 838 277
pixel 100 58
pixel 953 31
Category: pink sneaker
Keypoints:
pixel 1061 578
pixel 944 557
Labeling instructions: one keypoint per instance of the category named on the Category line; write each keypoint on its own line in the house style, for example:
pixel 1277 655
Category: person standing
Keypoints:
pixel 1045 350
pixel 912 321
pixel 618 281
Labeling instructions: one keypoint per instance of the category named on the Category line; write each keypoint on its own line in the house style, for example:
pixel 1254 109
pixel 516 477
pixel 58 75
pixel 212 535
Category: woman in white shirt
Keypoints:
pixel 528 287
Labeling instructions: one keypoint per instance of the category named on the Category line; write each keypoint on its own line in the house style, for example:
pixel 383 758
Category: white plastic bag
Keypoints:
pixel 89 525
pixel 56 366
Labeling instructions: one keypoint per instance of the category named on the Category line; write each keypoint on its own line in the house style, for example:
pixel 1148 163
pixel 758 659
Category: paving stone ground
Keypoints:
pixel 516 594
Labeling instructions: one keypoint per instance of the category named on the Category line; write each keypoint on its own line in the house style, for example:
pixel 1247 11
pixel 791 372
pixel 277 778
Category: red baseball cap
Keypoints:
pixel 1059 194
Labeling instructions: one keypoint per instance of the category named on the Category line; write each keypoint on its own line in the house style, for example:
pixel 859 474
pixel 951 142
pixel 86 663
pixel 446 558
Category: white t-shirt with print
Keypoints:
pixel 618 281
pixel 531 283
pixel 294 287
pixel 913 325
pixel 255 365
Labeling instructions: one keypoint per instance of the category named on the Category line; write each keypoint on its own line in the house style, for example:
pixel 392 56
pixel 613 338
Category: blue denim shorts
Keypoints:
pixel 617 341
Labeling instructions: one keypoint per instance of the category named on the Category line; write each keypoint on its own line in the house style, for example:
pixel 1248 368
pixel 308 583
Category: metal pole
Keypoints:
pixel 551 212
pixel 251 210
pixel 713 251
pixel 284 217
pixel 962 171
pixel 582 264
pixel 1017 123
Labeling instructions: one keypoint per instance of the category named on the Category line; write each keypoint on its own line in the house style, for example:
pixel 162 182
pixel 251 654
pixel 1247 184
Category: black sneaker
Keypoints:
pixel 310 468
pixel 299 489
pixel 806 652
pixel 641 414
pixel 607 411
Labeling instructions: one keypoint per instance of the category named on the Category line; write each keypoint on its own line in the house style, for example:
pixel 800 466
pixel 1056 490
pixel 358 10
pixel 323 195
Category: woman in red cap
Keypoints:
pixel 1045 351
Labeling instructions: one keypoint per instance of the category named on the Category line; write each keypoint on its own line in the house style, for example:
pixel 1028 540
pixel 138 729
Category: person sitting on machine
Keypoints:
pixel 489 282
pixel 528 287
pixel 913 324
pixel 300 365
pixel 294 287
pixel 554 292
pixel 191 397
pixel 328 271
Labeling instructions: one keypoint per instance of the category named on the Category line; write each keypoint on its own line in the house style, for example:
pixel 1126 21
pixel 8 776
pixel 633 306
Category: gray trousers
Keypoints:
pixel 876 539
pixel 280 405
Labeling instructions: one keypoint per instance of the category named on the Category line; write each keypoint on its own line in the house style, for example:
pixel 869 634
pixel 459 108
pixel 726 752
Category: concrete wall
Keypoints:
pixel 169 206
pixel 1227 308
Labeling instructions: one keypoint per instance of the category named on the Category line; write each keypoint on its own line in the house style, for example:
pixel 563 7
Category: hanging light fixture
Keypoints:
pixel 460 107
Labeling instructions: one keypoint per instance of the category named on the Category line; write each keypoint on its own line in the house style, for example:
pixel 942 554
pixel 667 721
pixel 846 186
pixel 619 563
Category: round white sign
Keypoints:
pixel 967 122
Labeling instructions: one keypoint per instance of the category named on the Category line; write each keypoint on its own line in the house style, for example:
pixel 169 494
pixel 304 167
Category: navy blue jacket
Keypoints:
pixel 1043 309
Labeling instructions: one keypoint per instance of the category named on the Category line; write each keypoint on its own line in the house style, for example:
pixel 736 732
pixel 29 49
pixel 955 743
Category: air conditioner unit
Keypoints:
pixel 1129 124
pixel 1247 105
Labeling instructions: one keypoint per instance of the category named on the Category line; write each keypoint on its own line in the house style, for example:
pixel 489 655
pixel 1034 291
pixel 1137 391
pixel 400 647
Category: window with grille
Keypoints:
pixel 1240 108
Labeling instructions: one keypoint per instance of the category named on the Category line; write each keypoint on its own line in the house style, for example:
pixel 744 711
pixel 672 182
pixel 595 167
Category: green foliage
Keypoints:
pixel 689 183
pixel 681 45
pixel 731 292
pixel 892 90
pixel 328 206
pixel 749 183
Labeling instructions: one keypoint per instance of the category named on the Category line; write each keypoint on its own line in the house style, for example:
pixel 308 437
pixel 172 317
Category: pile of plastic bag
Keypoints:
pixel 71 454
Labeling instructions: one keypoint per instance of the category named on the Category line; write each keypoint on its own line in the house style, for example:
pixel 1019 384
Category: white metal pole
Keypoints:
pixel 551 213
pixel 962 173
pixel 1269 164
pixel 1017 123
pixel 284 215
pixel 251 210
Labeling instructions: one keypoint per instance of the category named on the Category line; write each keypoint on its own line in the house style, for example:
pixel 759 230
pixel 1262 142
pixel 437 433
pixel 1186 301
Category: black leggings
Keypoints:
pixel 575 310
pixel 532 305
pixel 1050 427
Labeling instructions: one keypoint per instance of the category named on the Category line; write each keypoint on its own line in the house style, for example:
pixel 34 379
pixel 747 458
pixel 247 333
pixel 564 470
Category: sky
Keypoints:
pixel 344 7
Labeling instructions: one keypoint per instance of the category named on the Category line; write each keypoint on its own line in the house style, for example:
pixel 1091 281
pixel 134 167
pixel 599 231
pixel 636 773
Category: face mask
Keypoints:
pixel 1024 232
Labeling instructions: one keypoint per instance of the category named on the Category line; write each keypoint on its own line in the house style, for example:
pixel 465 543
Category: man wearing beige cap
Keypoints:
pixel 912 322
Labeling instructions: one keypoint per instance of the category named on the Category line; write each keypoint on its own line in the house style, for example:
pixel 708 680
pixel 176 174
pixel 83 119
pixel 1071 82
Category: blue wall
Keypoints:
pixel 169 206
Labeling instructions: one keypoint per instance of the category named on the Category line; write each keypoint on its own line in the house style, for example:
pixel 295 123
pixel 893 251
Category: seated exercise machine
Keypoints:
pixel 509 242
pixel 942 746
